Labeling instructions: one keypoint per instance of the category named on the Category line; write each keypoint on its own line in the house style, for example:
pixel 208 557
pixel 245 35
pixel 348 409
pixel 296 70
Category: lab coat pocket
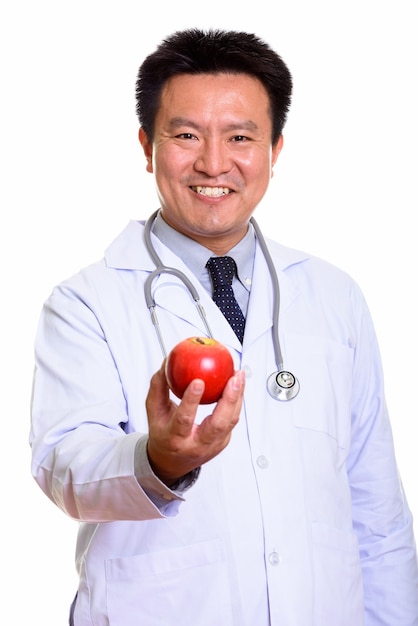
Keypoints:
pixel 338 585
pixel 184 585
pixel 324 368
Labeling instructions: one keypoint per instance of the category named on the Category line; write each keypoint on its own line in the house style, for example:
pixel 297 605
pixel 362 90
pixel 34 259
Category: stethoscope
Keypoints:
pixel 282 384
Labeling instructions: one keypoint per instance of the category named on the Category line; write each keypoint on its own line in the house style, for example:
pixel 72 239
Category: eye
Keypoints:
pixel 239 138
pixel 185 136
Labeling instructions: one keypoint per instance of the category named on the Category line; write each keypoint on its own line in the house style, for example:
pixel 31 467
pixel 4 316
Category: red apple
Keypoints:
pixel 199 357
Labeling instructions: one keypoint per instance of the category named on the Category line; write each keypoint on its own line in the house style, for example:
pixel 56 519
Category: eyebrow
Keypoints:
pixel 178 122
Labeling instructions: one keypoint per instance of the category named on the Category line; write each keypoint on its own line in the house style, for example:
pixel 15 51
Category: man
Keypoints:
pixel 250 512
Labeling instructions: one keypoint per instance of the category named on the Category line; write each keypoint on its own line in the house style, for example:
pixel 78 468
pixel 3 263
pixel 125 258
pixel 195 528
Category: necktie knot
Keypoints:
pixel 222 270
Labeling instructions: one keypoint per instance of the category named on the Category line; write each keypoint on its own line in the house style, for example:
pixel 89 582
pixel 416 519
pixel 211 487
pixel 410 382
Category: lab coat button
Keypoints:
pixel 262 462
pixel 274 558
pixel 247 370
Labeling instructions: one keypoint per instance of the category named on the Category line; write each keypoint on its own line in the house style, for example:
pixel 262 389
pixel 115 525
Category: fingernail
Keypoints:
pixel 238 380
pixel 197 386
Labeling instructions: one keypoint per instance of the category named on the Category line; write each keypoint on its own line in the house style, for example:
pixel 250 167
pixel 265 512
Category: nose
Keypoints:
pixel 213 158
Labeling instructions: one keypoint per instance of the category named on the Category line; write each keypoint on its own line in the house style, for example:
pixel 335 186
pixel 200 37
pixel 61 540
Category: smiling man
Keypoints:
pixel 212 155
pixel 252 511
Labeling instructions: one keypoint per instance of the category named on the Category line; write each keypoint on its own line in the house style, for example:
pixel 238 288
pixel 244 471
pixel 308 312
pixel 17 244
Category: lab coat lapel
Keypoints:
pixel 172 295
pixel 129 252
pixel 260 307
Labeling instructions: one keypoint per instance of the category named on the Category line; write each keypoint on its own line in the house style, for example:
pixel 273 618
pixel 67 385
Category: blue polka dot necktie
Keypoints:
pixel 222 270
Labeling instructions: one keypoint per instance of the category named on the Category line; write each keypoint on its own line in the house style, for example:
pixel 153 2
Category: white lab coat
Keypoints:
pixel 300 521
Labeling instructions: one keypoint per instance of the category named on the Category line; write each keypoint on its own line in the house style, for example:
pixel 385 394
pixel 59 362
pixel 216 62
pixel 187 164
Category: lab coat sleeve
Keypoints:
pixel 82 455
pixel 381 517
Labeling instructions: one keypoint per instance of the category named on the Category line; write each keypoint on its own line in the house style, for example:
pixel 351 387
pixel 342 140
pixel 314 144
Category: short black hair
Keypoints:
pixel 195 51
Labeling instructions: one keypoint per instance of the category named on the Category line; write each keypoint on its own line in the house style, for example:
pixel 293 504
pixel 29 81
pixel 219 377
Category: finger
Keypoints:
pixel 231 399
pixel 185 414
pixel 234 389
pixel 225 416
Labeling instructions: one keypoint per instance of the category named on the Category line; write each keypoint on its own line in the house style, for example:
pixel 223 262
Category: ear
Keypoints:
pixel 277 148
pixel 147 148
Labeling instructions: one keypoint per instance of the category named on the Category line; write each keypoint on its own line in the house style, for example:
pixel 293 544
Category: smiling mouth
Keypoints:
pixel 211 192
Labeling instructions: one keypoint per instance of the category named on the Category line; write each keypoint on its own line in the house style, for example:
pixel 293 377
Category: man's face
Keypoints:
pixel 212 155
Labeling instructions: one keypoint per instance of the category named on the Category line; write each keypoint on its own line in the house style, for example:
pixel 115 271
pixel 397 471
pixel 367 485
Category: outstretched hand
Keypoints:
pixel 176 445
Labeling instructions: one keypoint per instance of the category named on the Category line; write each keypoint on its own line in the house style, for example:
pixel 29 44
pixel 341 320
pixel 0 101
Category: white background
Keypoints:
pixel 72 173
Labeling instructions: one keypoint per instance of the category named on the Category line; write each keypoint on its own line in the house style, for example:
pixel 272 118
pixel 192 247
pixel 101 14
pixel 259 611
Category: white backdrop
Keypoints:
pixel 345 188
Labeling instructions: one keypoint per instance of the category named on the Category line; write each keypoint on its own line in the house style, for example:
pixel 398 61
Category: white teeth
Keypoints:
pixel 213 192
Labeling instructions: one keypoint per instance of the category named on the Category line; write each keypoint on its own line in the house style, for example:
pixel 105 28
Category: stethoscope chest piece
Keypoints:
pixel 283 385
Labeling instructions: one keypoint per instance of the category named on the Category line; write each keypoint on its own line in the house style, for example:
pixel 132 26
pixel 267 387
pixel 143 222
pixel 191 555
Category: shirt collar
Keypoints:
pixel 195 256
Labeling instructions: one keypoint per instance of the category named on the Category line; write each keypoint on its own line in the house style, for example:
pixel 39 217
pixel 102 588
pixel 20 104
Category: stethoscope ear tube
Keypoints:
pixel 162 269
